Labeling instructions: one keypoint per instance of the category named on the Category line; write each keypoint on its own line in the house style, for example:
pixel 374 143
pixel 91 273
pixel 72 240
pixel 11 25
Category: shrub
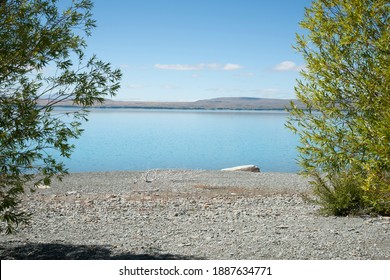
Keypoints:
pixel 345 129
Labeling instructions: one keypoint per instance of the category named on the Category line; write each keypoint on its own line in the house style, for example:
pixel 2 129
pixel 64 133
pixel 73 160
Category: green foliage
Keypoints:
pixel 345 130
pixel 340 195
pixel 42 63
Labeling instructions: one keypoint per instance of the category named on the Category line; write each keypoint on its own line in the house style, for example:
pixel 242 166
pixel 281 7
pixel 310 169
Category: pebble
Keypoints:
pixel 269 219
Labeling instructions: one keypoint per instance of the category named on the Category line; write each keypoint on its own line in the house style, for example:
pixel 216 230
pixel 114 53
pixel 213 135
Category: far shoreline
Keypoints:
pixel 221 103
pixel 172 108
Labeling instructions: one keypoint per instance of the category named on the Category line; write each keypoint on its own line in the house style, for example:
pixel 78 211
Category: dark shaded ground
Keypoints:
pixel 57 251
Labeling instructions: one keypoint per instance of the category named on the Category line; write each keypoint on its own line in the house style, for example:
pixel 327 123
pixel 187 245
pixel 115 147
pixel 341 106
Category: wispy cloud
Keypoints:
pixel 200 66
pixel 169 87
pixel 135 86
pixel 288 66
pixel 246 74
pixel 231 66
pixel 178 67
pixel 270 93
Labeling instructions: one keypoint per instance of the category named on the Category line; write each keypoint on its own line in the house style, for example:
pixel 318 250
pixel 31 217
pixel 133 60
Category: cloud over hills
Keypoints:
pixel 200 66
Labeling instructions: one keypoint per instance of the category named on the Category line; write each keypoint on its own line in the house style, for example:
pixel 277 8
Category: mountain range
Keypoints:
pixel 221 103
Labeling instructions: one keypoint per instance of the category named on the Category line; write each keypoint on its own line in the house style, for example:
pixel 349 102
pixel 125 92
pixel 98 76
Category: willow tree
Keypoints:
pixel 42 62
pixel 345 129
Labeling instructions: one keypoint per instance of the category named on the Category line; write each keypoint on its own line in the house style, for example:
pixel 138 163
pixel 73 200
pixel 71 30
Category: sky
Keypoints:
pixel 187 50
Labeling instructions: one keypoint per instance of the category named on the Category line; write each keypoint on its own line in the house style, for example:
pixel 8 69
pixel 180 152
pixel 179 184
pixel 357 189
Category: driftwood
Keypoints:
pixel 247 168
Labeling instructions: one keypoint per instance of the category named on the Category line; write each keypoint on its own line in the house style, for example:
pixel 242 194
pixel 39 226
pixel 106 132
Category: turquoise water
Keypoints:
pixel 126 139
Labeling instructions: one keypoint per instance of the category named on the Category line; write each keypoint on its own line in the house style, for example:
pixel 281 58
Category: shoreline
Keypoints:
pixel 103 107
pixel 180 180
pixel 187 214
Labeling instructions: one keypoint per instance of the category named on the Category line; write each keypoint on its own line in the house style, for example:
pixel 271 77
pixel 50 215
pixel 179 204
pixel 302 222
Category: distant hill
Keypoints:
pixel 221 103
pixel 244 103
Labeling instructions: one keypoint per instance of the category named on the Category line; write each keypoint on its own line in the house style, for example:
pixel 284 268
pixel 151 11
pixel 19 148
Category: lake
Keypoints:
pixel 136 139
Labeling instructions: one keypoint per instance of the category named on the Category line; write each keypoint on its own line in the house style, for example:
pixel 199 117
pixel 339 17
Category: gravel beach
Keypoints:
pixel 183 214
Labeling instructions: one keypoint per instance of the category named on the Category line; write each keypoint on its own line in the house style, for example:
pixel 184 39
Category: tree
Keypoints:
pixel 345 129
pixel 42 63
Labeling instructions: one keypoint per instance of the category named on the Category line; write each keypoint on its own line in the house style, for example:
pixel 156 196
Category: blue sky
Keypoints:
pixel 186 50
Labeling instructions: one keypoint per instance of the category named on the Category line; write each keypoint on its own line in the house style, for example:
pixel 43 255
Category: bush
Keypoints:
pixel 36 36
pixel 345 129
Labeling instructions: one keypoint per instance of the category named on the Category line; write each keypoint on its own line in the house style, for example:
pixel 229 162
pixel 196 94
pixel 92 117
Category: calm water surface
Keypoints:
pixel 125 139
